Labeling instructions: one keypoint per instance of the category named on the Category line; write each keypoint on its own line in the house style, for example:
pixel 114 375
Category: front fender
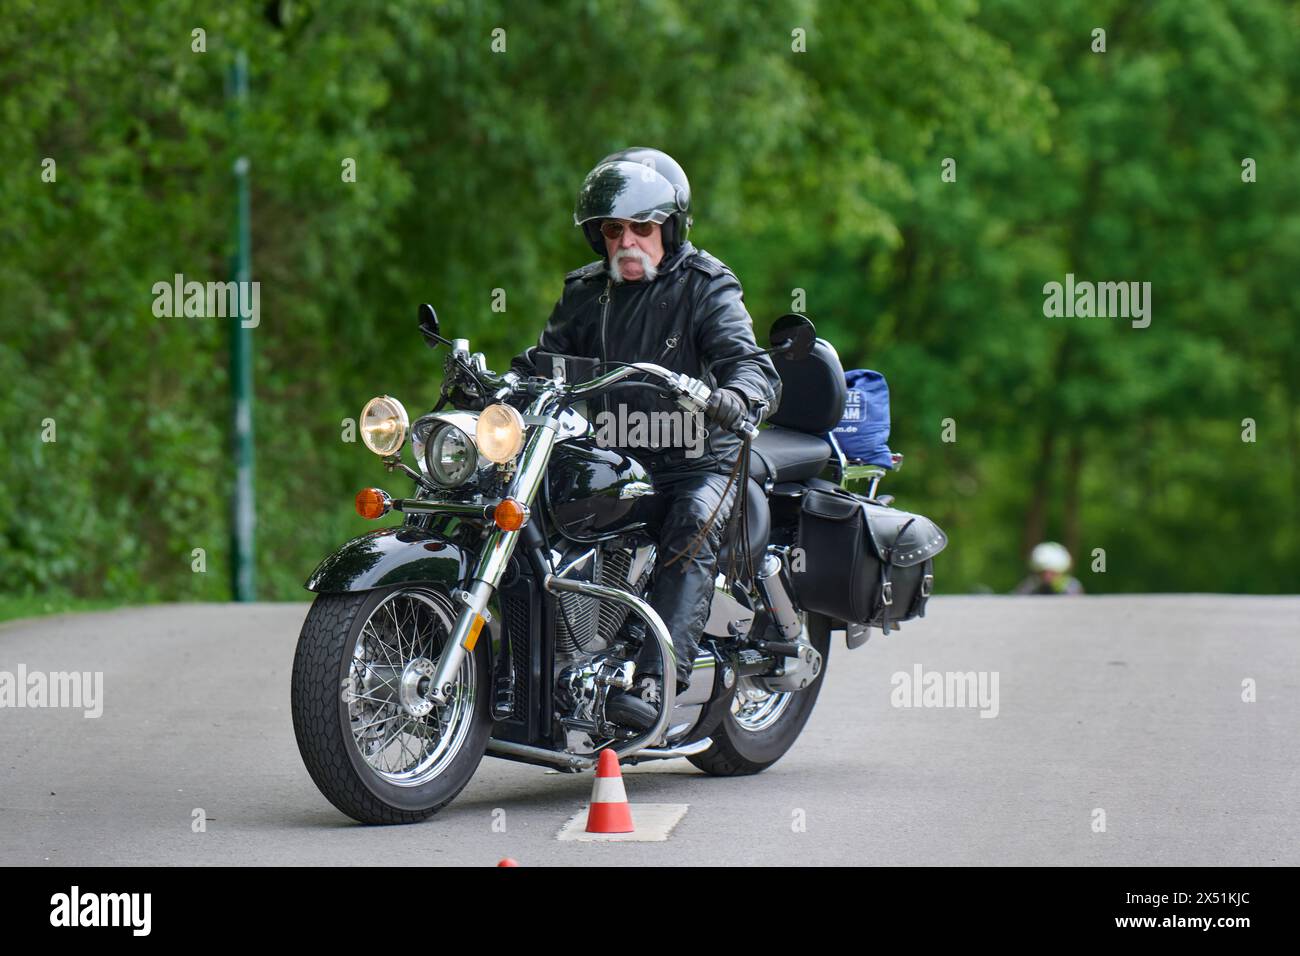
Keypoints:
pixel 400 555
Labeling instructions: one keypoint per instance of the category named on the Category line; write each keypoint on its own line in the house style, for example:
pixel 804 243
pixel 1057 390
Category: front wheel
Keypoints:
pixel 371 740
pixel 762 725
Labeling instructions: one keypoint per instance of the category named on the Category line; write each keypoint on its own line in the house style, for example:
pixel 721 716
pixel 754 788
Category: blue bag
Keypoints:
pixel 863 431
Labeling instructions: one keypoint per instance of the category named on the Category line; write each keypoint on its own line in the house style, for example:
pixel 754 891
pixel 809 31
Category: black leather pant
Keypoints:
pixel 683 586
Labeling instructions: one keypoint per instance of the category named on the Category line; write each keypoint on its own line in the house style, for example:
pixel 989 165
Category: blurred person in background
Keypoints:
pixel 1049 566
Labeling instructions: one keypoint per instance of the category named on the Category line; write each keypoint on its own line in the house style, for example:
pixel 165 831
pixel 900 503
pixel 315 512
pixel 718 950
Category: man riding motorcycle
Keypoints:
pixel 654 297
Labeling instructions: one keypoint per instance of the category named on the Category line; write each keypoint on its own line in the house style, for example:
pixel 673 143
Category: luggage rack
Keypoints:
pixel 849 471
pixel 855 472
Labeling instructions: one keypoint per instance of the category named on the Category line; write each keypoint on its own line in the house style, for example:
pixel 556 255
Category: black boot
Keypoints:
pixel 638 707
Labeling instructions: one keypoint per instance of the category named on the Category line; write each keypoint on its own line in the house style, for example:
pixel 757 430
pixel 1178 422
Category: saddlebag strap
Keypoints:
pixel 886 567
pixel 886 596
pixel 923 592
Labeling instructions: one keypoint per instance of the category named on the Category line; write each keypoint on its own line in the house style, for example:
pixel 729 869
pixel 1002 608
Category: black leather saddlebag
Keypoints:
pixel 862 562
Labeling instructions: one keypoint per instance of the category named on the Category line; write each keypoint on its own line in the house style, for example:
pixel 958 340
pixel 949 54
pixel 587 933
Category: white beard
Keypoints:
pixel 617 274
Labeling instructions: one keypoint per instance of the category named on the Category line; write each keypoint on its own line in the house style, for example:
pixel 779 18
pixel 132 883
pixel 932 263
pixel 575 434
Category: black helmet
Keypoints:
pixel 640 184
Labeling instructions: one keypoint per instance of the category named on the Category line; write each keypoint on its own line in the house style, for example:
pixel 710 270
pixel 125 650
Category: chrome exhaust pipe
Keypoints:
pixel 565 761
pixel 508 748
pixel 667 753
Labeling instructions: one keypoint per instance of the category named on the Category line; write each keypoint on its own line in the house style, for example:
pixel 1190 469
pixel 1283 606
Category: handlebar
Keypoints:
pixel 595 385
pixel 691 393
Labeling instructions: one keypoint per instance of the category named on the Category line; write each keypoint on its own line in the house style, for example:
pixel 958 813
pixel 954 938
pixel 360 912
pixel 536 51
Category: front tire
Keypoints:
pixel 357 700
pixel 761 726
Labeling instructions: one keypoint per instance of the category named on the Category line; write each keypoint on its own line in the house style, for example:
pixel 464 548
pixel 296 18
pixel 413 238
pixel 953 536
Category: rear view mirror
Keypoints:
pixel 792 336
pixel 429 327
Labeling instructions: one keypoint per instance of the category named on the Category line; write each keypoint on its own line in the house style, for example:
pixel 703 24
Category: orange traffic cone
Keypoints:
pixel 609 812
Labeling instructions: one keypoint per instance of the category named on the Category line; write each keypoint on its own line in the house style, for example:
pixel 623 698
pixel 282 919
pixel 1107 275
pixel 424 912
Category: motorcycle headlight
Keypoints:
pixel 449 455
pixel 383 425
pixel 500 433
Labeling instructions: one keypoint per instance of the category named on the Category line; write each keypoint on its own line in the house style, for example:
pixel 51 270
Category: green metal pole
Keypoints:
pixel 244 510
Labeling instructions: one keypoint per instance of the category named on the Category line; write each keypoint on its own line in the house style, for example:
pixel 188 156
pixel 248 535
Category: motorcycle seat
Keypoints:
pixel 783 454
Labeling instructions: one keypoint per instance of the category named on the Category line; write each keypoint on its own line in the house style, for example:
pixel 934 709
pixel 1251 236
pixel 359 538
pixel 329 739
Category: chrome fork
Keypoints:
pixel 497 549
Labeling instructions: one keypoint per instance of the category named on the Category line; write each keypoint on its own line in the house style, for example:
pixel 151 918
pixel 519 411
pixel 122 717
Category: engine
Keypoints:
pixel 587 624
pixel 592 647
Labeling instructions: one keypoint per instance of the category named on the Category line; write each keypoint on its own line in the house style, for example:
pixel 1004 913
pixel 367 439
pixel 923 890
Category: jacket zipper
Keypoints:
pixel 670 343
pixel 604 356
pixel 604 311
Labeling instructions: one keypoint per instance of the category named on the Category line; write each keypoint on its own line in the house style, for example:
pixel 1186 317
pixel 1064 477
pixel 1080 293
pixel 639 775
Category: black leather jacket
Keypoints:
pixel 693 312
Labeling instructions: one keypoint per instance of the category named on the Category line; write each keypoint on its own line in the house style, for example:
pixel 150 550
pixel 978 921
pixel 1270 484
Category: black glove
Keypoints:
pixel 726 407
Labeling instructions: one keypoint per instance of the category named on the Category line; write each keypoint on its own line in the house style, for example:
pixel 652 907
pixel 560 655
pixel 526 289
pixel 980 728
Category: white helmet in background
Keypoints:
pixel 1050 556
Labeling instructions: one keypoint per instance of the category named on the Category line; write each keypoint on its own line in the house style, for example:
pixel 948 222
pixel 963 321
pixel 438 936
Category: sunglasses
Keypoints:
pixel 613 229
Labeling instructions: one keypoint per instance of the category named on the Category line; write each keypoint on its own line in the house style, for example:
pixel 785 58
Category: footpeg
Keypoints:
pixel 780 648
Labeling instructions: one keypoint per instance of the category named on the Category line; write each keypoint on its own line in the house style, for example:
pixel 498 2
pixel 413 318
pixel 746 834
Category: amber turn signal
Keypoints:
pixel 372 502
pixel 510 515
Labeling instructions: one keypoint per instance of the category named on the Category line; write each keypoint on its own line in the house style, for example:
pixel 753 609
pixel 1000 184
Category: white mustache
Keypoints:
pixel 646 265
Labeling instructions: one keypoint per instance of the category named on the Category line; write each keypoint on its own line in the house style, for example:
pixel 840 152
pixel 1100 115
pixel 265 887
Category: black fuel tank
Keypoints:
pixel 594 493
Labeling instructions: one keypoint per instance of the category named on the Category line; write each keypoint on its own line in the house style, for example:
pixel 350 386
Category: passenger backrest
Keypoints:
pixel 812 390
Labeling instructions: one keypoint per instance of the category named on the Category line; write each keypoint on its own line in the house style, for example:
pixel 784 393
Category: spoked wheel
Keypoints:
pixel 371 738
pixel 763 724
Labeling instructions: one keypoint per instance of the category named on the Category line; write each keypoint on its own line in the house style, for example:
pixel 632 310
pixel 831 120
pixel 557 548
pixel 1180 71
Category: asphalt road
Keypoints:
pixel 1128 705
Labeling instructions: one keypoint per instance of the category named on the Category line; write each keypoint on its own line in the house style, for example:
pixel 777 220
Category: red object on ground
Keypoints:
pixel 507 862
pixel 609 811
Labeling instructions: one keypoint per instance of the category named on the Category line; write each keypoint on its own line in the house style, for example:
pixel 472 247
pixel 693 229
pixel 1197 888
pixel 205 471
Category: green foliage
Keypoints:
pixel 817 170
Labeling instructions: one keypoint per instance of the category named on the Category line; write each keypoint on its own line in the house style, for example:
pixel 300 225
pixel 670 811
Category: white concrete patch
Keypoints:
pixel 654 823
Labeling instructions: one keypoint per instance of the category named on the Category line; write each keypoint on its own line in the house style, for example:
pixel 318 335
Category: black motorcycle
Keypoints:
pixel 498 616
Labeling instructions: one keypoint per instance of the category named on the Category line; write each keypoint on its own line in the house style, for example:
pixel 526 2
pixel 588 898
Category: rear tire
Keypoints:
pixel 739 750
pixel 334 721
